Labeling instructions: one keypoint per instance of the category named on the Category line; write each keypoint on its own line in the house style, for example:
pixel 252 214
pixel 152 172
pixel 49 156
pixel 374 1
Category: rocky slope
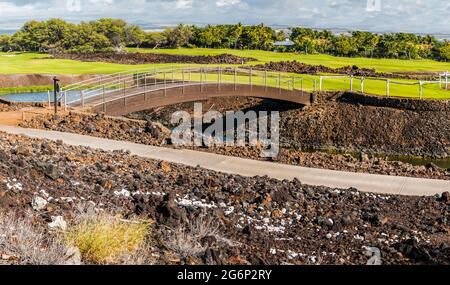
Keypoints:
pixel 303 68
pixel 250 220
pixel 148 132
pixel 145 58
pixel 337 123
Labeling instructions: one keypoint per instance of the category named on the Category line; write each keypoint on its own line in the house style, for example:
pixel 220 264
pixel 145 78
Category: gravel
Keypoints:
pixel 249 220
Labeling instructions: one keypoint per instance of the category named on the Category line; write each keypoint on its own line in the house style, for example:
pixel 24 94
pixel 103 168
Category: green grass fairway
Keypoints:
pixel 306 82
pixel 381 65
pixel 35 63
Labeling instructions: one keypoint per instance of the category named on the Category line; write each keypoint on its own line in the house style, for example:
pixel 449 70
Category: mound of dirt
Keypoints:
pixel 242 220
pixel 347 123
pixel 354 127
pixel 100 126
pixel 303 68
pixel 7 106
pixel 146 58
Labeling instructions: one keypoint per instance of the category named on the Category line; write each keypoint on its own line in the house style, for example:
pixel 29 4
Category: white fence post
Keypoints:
pixel 320 83
pixel 420 89
pixel 235 79
pixel 104 99
pixel 145 86
pixel 265 80
pixel 362 85
pixel 165 83
pixel 201 79
pixel 49 100
pixel 182 75
pixel 218 78
pixel 387 87
pixel 351 83
pixel 173 74
pixel 250 79
pixel 446 80
pixel 65 100
pixel 279 82
pixel 301 86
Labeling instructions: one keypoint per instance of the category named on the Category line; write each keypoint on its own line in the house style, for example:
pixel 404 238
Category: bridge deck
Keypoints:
pixel 136 99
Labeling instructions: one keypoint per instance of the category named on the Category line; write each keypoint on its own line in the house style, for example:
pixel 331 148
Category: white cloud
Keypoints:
pixel 224 3
pixel 184 4
pixel 394 15
pixel 10 8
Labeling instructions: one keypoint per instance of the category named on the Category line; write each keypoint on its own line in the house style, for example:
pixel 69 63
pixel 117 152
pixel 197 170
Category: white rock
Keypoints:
pixel 38 203
pixel 58 223
pixel 375 254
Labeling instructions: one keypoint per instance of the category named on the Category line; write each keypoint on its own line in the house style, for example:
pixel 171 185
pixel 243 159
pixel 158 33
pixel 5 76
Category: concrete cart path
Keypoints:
pixel 246 167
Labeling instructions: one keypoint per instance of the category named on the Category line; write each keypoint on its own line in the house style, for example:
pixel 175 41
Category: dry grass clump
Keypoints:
pixel 26 243
pixel 104 239
pixel 185 240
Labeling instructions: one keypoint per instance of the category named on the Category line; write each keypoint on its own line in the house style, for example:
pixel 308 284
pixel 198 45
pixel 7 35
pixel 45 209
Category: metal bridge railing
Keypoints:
pixel 132 82
pixel 129 83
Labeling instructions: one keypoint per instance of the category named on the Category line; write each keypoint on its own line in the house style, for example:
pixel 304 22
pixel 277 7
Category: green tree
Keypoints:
pixel 5 43
pixel 155 39
pixel 179 36
pixel 134 36
pixel 345 46
pixel 304 43
pixel 444 51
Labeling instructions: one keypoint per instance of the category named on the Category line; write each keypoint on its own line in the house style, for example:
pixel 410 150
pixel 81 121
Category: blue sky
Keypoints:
pixel 419 16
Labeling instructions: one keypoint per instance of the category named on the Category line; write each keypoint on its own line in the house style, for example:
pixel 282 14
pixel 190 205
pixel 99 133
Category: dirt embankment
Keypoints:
pixel 420 129
pixel 7 106
pixel 303 68
pixel 205 217
pixel 348 123
pixel 20 80
pixel 146 58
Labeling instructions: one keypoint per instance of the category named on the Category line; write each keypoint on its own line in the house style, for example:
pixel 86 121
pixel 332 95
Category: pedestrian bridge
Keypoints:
pixel 132 91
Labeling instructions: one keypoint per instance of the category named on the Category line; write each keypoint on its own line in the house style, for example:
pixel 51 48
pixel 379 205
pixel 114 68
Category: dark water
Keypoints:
pixel 413 160
pixel 38 97
pixel 443 162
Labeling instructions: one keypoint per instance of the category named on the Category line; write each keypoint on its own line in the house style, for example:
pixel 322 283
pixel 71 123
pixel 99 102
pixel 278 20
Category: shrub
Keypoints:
pixel 105 240
pixel 186 240
pixel 28 243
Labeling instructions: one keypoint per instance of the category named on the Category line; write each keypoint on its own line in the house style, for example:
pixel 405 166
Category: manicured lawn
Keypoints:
pixel 35 63
pixel 24 89
pixel 309 82
pixel 32 63
pixel 381 65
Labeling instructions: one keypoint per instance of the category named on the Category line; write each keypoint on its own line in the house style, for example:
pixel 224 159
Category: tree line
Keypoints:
pixel 107 34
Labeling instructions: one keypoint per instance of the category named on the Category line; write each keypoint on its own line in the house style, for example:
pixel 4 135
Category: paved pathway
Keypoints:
pixel 247 167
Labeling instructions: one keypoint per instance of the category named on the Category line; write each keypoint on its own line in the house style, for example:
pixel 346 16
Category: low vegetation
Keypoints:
pixel 104 239
pixel 25 89
pixel 187 239
pixel 24 242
